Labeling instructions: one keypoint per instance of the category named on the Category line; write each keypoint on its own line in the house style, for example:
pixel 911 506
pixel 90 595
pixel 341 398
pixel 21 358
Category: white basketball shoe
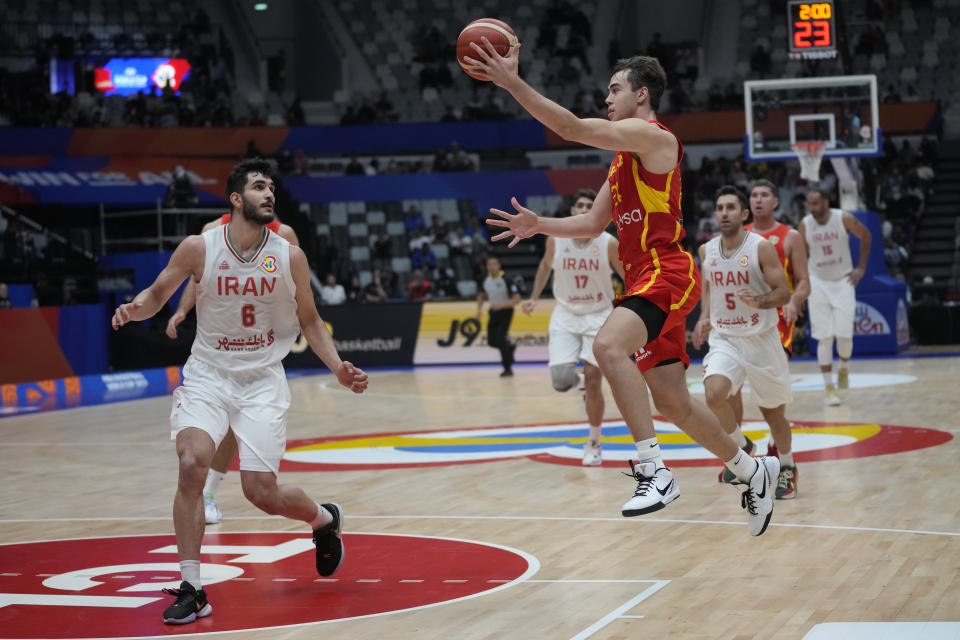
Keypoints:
pixel 211 510
pixel 757 499
pixel 592 454
pixel 656 488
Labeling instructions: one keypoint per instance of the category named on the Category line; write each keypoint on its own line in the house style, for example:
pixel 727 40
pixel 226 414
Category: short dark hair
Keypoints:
pixel 730 190
pixel 763 182
pixel 589 194
pixel 644 71
pixel 237 179
pixel 823 192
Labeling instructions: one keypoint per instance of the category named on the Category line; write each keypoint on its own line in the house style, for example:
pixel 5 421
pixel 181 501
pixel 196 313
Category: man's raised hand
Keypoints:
pixel 521 225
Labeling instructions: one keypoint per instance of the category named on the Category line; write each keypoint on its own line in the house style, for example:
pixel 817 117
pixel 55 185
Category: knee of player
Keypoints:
pixel 261 498
pixel 675 407
pixel 563 376
pixel 715 394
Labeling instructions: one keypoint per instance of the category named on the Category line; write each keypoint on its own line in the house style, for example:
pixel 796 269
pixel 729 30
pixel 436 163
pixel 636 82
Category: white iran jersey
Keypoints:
pixel 246 311
pixel 829 247
pixel 581 274
pixel 728 314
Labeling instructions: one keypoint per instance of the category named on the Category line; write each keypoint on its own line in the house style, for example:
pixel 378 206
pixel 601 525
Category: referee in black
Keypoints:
pixel 503 297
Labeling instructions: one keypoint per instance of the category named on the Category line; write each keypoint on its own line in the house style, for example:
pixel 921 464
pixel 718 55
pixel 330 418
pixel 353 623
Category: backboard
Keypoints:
pixel 841 111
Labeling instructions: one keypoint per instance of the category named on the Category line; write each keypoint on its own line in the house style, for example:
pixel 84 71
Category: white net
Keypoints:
pixel 810 154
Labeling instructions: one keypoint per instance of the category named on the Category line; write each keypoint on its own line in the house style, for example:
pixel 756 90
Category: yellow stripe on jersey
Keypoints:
pixel 656 271
pixel 786 272
pixel 690 286
pixel 653 200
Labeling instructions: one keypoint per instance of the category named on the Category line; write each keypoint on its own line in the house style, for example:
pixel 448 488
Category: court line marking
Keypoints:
pixel 785 525
pixel 619 611
pixel 533 566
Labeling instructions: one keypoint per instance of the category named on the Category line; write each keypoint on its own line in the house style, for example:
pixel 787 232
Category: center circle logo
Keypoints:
pixel 110 587
pixel 562 443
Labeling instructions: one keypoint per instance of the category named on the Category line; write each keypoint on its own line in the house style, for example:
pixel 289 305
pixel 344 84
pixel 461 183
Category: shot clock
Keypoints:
pixel 811 30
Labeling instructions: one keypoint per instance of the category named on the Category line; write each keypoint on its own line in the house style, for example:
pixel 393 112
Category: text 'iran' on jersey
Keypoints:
pixel 246 308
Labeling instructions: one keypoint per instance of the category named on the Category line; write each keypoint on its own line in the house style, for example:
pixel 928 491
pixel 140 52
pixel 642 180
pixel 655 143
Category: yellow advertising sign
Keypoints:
pixel 451 333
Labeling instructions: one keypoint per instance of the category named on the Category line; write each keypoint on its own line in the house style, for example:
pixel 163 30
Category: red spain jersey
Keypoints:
pixel 646 210
pixel 273 226
pixel 778 236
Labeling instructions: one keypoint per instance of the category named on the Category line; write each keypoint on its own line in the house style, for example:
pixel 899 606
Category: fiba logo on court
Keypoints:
pixel 868 321
pixel 269 264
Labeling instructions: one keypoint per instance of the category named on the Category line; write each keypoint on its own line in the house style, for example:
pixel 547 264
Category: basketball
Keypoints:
pixel 499 33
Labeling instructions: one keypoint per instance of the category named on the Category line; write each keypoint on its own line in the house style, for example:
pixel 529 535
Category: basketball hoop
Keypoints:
pixel 810 154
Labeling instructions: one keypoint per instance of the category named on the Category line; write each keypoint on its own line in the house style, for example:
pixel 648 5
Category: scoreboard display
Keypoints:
pixel 811 30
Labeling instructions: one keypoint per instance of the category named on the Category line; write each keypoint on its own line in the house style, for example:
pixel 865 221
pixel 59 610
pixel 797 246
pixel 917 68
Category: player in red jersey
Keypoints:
pixel 228 447
pixel 642 194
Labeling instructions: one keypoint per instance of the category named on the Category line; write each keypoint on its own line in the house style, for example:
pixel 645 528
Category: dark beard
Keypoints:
pixel 252 214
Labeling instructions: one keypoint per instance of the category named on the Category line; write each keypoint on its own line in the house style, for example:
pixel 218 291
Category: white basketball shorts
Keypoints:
pixel 833 304
pixel 571 335
pixel 758 358
pixel 254 403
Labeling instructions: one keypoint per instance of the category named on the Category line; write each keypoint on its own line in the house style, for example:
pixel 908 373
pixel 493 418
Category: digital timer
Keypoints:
pixel 811 29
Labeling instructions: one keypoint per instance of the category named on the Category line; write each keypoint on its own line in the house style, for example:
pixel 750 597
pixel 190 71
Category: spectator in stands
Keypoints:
pixel 478 236
pixel 423 257
pixel 892 96
pixel 460 243
pixel 418 288
pixel 295 114
pixel 181 192
pixel 381 248
pixel 285 161
pixel 414 219
pixel 4 300
pixel 438 230
pixel 354 167
pixel 300 162
pixel 355 289
pixel 390 282
pixel 760 60
pixel 374 292
pixel 446 283
pixel 418 240
pixel 332 292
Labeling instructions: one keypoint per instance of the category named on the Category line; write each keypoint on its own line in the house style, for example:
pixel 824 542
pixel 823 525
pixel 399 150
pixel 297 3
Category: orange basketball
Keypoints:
pixel 499 33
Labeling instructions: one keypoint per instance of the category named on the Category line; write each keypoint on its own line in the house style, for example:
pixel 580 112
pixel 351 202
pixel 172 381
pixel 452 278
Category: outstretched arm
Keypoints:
pixel 540 280
pixel 526 223
pixel 186 260
pixel 630 134
pixel 315 331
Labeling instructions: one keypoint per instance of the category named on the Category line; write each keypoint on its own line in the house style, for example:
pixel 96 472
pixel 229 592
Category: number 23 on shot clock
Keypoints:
pixel 811 30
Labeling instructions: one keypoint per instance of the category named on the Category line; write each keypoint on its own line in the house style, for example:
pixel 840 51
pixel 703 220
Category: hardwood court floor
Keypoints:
pixel 871 538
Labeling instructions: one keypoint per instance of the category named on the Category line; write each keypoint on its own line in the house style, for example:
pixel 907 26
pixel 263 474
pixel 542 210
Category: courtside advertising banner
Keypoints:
pixel 450 333
pixel 368 335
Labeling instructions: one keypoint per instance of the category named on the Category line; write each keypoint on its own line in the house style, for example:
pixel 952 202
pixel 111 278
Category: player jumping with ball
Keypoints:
pixel 642 194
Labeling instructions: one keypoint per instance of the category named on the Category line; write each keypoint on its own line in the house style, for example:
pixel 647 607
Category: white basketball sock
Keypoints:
pixel 786 459
pixel 827 378
pixel 649 451
pixel 190 572
pixel 213 482
pixel 825 352
pixel 742 466
pixel 323 517
pixel 738 437
pixel 595 433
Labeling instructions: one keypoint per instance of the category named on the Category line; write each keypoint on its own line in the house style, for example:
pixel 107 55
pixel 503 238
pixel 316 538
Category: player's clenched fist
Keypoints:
pixel 351 377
